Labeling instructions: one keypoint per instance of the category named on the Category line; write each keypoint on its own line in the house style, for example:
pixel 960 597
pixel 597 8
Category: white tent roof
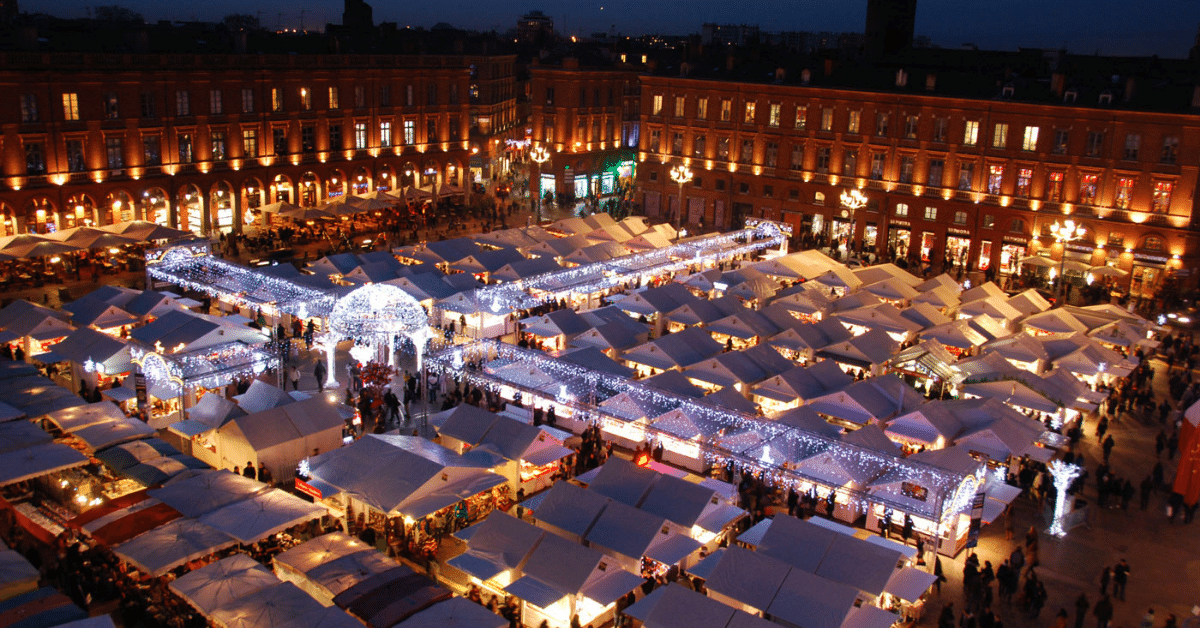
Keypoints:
pixel 563 565
pixel 625 530
pixel 501 542
pixel 867 616
pixel 283 605
pixel 796 542
pixel 222 582
pixel 570 508
pixel 623 482
pixel 262 396
pixel 748 577
pixel 205 492
pixel 109 433
pixel 14 569
pixel 79 417
pixel 810 601
pixel 315 552
pixel 677 501
pixel 909 584
pixel 340 574
pixel 262 515
pixel 37 460
pixel 680 607
pixel 859 564
pixel 172 544
pixel 456 612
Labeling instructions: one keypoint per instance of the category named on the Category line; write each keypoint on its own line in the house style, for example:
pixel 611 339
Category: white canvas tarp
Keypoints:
pixel 282 605
pixel 262 515
pixel 108 433
pixel 680 607
pixel 206 491
pixel 501 543
pixel 71 419
pixel 747 577
pixel 299 560
pixel 162 549
pixel 810 601
pixel 909 584
pixel 36 461
pixel 456 612
pixel 222 582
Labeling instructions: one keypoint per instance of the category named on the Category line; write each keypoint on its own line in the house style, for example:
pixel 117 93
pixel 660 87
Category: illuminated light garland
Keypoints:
pixel 1064 474
pixel 375 314
pixel 586 384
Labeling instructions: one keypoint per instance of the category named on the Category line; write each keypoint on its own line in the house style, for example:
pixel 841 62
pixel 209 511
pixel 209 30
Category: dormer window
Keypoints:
pixel 1106 97
pixel 1008 90
pixel 1070 96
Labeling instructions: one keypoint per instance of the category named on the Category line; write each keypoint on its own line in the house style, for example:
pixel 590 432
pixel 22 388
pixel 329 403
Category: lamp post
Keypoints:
pixel 680 174
pixel 1064 233
pixel 539 155
pixel 852 200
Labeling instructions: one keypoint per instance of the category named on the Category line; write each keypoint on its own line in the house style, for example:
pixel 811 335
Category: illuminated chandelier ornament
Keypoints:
pixel 1064 474
pixel 375 314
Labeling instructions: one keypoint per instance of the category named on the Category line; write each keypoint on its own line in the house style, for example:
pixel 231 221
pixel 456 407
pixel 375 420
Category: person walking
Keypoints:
pixel 320 372
pixel 1103 612
pixel 1105 578
pixel 294 376
pixel 1081 608
pixel 1120 578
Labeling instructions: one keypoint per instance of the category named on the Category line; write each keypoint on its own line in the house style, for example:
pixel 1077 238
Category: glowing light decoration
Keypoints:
pixel 362 353
pixel 304 469
pixel 1063 475
pixel 375 314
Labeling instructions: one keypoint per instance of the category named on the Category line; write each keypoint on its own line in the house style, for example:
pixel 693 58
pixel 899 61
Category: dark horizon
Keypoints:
pixel 1166 28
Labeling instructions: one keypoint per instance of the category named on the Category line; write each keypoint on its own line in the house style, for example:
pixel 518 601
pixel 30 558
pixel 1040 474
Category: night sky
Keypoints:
pixel 1163 27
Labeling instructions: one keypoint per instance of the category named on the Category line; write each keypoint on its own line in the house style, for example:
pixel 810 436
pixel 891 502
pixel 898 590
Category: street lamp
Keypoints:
pixel 680 174
pixel 852 200
pixel 1064 233
pixel 539 155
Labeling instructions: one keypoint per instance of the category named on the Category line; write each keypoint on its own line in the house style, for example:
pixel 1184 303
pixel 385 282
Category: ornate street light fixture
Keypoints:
pixel 1064 233
pixel 852 200
pixel 680 174
pixel 539 155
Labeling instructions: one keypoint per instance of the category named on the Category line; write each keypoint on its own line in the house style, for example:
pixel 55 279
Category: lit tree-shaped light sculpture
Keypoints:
pixel 1063 475
pixel 375 314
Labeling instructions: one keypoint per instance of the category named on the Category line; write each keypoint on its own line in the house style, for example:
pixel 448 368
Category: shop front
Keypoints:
pixel 1012 250
pixel 929 253
pixel 985 255
pixel 958 248
pixel 1147 275
pixel 899 236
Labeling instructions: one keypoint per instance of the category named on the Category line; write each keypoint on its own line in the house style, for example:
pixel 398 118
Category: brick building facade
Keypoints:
pixel 197 141
pixel 947 179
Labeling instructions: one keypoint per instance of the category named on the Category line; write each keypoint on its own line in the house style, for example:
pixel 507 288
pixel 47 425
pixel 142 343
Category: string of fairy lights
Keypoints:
pixel 585 390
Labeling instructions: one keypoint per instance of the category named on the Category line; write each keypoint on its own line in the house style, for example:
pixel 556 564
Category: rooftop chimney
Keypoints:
pixel 1058 81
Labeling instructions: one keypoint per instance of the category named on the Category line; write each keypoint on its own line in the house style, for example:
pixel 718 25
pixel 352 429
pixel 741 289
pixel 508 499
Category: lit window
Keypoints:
pixel 995 178
pixel 679 104
pixel 250 142
pixel 1095 143
pixel 410 132
pixel 726 110
pixel 1024 181
pixel 750 110
pixel 656 110
pixel 1162 196
pixel 773 115
pixel 853 121
pixel 1000 135
pixel 1087 188
pixel 910 127
pixel 701 108
pixel 1124 192
pixel 360 135
pixel 70 107
pixel 333 97
pixel 305 99
pixel 901 210
pixel 276 99
pixel 801 116
pixel 1054 187
pixel 218 145
pixel 939 129
pixel 827 119
pixel 385 134
pixel 930 213
pixel 971 133
pixel 1029 141
pixel 881 124
pixel 960 218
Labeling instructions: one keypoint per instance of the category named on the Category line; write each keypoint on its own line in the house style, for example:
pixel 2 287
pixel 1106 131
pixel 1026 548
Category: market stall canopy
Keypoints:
pixel 996 307
pixel 1029 302
pixel 456 612
pixel 748 577
pixel 810 601
pixel 79 417
pixel 570 508
pixel 625 530
pixel 222 582
pixel 801 544
pixel 40 607
pixel 555 569
pixel 1056 321
pixel 206 491
pixel 281 605
pixel 113 432
pixel 177 542
pixel 501 543
pixel 98 314
pixel 909 584
pixel 262 396
pixel 680 607
pixel 146 231
pixel 17 575
pixel 254 519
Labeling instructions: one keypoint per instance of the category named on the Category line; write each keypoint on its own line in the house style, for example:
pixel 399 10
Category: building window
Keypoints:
pixel 111 110
pixel 333 97
pixel 702 108
pixel 744 187
pixel 1152 244
pixel 1087 188
pixel 907 165
pixel 1162 196
pixel 677 144
pixel 183 103
pixel 1116 238
pixel 877 165
pixel 410 132
pixel 548 129
pixel 819 198
pixel 801 117
pixel 29 109
pixel 335 137
pixel 881 124
pixel 723 148
pixel 431 94
pixel 854 121
pixel 385 95
pixel 794 194
pixel 453 94
pixel 937 169
pixel 771 158
pixel 719 184
pixel 850 162
pixel 989 221
pixel 995 178
pixel 279 139
pixel 70 107
pixel 1124 192
pixel 151 150
pixel 360 97
pixel 939 129
pixel 408 95
pixel 1095 143
pixel 431 129
pixel 1133 144
pixel 360 135
pixel 1000 135
pixel 1170 148
pixel 827 119
pixel 1029 140
pixel 960 218
pixel 726 110
pixel 971 133
pixel 250 143
pixel 218 145
pixel 276 99
pixel 1054 187
pixel 1024 181
pixel 966 175
pixel 185 148
pixel 35 159
pixel 216 106
pixel 1017 225
pixel 308 142
pixel 679 106
pixel 750 111
pixel 930 213
pixel 910 127
pixel 305 99
pixel 902 210
pixel 768 191
pixel 248 100
pixel 385 134
pixel 823 159
pixel 1060 141
pixel 657 100
pixel 773 115
pixel 75 161
pixel 797 156
pixel 747 155
pixel 655 134
pixel 112 152
pixel 655 110
pixel 698 145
